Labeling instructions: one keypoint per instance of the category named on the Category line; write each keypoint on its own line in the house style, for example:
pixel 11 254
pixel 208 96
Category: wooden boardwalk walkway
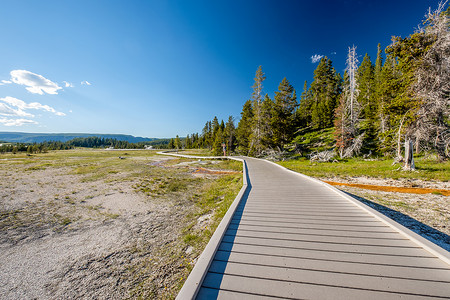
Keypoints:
pixel 291 237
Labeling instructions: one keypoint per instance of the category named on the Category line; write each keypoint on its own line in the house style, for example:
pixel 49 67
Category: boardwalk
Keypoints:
pixel 293 238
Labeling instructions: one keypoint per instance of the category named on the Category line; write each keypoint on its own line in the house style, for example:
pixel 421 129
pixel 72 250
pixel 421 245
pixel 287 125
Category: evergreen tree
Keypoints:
pixel 283 114
pixel 214 126
pixel 366 97
pixel 243 131
pixel 207 135
pixel 267 109
pixel 402 105
pixel 256 136
pixel 188 142
pixel 324 92
pixel 218 141
pixel 304 110
pixel 230 134
pixel 388 91
pixel 172 144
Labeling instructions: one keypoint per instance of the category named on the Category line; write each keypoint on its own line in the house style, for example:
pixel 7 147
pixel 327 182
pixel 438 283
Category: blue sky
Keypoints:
pixel 161 68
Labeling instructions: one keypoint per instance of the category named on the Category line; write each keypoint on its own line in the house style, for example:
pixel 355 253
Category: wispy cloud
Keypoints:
pixel 6 110
pixel 85 82
pixel 333 53
pixel 316 58
pixel 68 84
pixel 16 122
pixel 35 83
pixel 22 105
pixel 3 82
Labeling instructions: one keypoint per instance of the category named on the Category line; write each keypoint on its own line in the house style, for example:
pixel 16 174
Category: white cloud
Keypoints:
pixel 6 110
pixel 333 53
pixel 16 122
pixel 36 84
pixel 22 105
pixel 316 58
pixel 68 84
pixel 3 82
pixel 85 82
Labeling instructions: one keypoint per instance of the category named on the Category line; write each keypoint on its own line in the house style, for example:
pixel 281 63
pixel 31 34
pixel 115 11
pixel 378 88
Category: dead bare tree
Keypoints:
pixel 352 88
pixel 432 85
pixel 348 114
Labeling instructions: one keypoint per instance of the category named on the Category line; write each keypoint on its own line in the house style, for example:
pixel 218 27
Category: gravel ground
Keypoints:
pixel 71 236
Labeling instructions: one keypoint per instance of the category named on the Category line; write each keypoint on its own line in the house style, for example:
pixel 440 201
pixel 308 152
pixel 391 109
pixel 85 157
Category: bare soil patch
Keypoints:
pixel 87 225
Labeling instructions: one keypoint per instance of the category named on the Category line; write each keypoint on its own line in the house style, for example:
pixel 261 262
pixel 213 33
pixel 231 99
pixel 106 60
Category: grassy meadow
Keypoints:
pixel 426 168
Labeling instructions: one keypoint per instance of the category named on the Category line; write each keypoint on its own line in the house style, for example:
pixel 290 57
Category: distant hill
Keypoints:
pixel 25 137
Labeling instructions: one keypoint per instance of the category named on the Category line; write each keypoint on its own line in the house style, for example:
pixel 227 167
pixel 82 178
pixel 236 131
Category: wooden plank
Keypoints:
pixel 322 238
pixel 388 234
pixel 332 247
pixel 313 225
pixel 350 281
pixel 295 290
pixel 387 271
pixel 209 293
pixel 428 262
pixel 310 220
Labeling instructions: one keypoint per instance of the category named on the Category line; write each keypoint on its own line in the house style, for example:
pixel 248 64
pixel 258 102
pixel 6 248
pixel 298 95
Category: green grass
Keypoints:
pixel 215 198
pixel 426 169
pixel 316 140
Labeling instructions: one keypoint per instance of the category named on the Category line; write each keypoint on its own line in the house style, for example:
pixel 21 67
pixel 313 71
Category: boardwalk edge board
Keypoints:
pixel 429 246
pixel 194 281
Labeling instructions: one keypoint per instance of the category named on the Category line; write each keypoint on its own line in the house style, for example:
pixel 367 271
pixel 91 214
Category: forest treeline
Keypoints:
pixel 87 142
pixel 374 108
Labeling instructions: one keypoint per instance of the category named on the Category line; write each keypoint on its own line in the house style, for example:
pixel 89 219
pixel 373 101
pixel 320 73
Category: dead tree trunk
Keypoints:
pixel 409 157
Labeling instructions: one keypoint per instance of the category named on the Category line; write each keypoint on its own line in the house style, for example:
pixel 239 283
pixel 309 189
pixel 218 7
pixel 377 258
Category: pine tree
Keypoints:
pixel 207 136
pixel 256 136
pixel 366 97
pixel 244 128
pixel 267 109
pixel 171 144
pixel 230 134
pixel 243 131
pixel 188 142
pixel 283 114
pixel 402 109
pixel 218 141
pixel 178 144
pixel 214 126
pixel 304 110
pixel 324 92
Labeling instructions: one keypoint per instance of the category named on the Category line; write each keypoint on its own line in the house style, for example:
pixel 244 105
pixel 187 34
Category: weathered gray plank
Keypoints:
pixel 296 290
pixel 387 271
pixel 351 257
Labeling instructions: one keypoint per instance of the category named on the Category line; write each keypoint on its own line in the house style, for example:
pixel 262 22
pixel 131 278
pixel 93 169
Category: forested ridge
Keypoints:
pixel 373 109
pixel 85 142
